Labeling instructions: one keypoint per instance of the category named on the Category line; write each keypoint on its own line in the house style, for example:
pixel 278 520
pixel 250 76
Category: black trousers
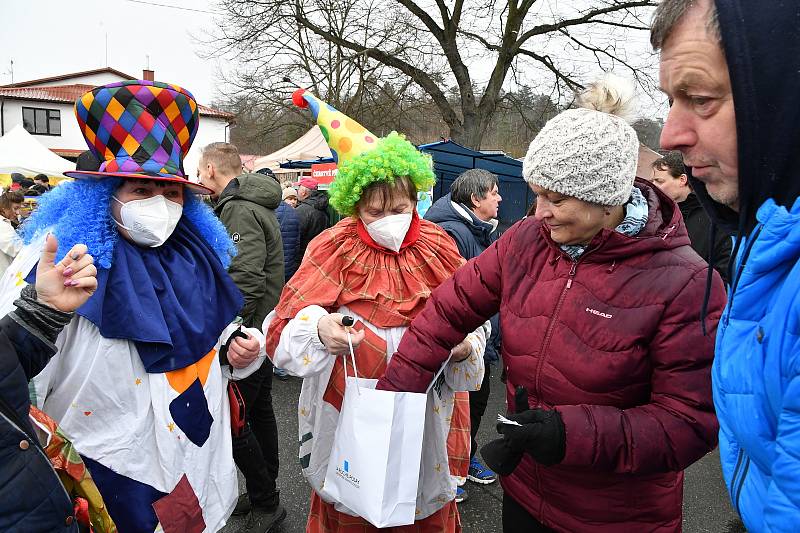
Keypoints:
pixel 516 519
pixel 477 407
pixel 255 451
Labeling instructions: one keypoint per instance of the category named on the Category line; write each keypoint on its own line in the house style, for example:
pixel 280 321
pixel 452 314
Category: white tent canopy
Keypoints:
pixel 21 152
pixel 312 145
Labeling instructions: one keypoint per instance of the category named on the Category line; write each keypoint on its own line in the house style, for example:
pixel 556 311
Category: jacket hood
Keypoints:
pixel 317 199
pixel 442 211
pixel 256 188
pixel 664 230
pixel 762 47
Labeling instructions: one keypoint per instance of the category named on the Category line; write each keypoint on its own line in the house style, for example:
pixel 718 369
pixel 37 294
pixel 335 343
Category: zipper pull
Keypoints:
pixel 572 273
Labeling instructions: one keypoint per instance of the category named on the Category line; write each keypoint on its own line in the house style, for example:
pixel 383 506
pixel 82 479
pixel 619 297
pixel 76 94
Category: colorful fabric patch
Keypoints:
pixel 179 511
pixel 182 379
pixel 129 502
pixel 190 412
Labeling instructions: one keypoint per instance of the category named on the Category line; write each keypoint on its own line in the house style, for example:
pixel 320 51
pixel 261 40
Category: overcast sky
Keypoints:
pixel 51 37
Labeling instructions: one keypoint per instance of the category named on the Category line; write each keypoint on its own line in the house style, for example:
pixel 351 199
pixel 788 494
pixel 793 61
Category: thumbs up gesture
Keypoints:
pixel 65 285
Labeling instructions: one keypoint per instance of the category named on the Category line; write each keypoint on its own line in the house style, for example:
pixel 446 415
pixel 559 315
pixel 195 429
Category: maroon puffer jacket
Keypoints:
pixel 613 342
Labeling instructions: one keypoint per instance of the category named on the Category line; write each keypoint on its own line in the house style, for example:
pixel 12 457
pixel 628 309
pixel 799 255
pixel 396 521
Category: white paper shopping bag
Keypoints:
pixel 373 468
pixel 374 464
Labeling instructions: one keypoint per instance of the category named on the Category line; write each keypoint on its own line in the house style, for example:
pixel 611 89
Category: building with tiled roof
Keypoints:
pixel 45 108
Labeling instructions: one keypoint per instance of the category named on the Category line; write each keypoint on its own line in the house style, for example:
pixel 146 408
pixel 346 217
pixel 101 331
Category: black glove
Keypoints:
pixel 500 457
pixel 541 434
pixel 499 454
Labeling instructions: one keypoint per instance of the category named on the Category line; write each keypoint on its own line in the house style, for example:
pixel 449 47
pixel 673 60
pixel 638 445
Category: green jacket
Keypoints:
pixel 246 208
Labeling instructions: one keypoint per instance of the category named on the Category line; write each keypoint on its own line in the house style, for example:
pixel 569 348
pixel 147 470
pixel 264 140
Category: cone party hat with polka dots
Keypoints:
pixel 345 137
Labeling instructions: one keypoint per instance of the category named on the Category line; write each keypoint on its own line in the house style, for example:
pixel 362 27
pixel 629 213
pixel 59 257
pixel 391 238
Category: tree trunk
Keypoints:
pixel 471 133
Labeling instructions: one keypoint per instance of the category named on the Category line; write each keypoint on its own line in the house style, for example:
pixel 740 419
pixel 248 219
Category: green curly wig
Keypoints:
pixel 392 157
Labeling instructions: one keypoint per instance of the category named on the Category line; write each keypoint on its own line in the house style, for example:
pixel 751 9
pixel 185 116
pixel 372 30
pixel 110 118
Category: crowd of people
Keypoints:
pixel 145 314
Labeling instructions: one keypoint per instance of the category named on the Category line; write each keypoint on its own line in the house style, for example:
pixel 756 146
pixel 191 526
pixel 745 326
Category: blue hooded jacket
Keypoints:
pixel 472 237
pixel 756 373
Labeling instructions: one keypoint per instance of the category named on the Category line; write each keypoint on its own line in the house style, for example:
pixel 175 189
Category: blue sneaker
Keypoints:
pixel 479 473
pixel 461 495
pixel 280 373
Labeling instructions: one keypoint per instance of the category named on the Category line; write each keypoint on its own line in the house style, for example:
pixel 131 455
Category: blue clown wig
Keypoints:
pixel 78 212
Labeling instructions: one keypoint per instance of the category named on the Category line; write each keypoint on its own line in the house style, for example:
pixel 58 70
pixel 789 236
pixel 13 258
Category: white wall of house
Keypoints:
pixel 70 138
pixel 100 78
pixel 211 129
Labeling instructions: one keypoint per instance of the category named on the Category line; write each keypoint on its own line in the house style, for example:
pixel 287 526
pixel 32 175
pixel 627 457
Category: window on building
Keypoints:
pixel 41 121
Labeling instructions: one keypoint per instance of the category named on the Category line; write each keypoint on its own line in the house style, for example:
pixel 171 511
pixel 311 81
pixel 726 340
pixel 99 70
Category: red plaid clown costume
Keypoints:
pixel 345 271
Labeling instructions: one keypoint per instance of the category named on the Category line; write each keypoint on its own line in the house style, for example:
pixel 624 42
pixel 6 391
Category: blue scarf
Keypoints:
pixel 172 301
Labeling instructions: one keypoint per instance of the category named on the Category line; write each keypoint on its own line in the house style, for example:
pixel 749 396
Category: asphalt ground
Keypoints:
pixel 706 508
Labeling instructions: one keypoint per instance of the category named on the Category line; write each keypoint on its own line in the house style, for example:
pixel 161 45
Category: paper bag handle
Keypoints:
pixel 436 376
pixel 347 321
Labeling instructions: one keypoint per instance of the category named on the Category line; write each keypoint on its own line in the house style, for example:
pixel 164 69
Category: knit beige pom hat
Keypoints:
pixel 589 153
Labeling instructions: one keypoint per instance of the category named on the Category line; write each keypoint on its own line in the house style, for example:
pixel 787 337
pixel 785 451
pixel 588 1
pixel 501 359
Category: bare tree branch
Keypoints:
pixel 589 16
pixel 444 62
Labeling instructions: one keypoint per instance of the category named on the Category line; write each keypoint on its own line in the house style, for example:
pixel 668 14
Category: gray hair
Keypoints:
pixel 670 12
pixel 475 181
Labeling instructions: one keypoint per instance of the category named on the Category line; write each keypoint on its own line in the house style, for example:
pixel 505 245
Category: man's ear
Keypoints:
pixel 476 202
pixel 684 180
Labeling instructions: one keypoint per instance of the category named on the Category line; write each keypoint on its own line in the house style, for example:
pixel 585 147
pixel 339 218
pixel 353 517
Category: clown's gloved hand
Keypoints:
pixel 540 434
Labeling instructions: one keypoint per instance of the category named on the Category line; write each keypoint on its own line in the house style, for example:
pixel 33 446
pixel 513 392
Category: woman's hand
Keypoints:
pixel 67 285
pixel 243 351
pixel 461 351
pixel 334 335
pixel 539 432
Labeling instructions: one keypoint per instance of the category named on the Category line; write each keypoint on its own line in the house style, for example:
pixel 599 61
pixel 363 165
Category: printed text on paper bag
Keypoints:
pixel 344 473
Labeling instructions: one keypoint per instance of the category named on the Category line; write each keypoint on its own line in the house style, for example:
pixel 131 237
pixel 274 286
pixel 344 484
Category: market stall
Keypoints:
pixel 21 152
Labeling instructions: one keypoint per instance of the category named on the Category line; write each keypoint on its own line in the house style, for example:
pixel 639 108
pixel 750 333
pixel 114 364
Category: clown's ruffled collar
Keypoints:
pixel 386 288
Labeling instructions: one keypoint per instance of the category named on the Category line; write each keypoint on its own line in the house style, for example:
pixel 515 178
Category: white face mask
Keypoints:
pixel 390 231
pixel 151 221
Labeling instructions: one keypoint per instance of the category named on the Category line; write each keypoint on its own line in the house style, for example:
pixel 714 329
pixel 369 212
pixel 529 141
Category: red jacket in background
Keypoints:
pixel 613 342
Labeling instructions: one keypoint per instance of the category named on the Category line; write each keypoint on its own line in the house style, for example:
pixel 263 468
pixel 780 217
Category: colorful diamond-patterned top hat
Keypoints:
pixel 345 137
pixel 139 129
